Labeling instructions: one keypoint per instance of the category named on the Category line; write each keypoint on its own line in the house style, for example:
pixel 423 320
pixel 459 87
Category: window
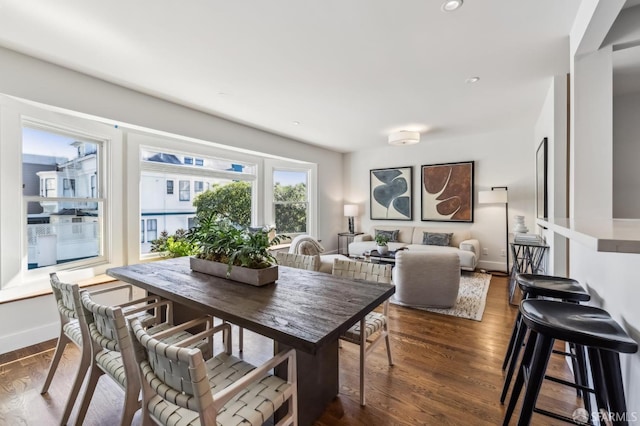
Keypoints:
pixel 290 201
pixel 188 160
pixel 61 226
pixel 152 230
pixel 185 190
pixel 199 162
pixel 169 187
pixel 142 231
pixel 230 189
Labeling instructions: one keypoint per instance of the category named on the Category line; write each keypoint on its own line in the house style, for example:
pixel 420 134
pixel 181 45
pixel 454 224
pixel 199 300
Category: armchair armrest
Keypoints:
pixel 472 245
pixel 363 237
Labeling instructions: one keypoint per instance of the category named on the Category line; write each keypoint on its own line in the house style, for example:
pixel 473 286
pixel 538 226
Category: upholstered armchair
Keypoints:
pixel 307 245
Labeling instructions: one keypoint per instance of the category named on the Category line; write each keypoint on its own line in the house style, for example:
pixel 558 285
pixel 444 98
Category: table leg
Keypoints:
pixel 317 380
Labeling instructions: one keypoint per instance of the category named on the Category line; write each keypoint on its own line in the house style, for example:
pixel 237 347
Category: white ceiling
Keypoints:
pixel 349 71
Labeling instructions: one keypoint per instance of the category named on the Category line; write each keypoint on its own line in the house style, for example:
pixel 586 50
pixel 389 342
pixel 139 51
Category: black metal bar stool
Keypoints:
pixel 588 326
pixel 536 286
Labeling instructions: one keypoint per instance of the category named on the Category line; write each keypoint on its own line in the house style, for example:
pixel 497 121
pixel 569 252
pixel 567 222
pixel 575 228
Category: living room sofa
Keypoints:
pixel 412 238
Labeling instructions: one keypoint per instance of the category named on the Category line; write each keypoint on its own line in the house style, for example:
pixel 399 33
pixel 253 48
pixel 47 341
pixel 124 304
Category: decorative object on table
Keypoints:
pixel 519 226
pixel 472 297
pixel 501 196
pixel 541 180
pixel 447 192
pixel 391 193
pixel 233 252
pixel 381 243
pixel 351 210
pixel 527 238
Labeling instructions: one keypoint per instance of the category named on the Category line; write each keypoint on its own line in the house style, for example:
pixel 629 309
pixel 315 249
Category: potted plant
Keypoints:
pixel 381 242
pixel 176 245
pixel 229 251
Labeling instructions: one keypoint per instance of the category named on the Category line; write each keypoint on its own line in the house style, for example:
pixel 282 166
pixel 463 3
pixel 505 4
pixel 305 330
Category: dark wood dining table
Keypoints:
pixel 304 310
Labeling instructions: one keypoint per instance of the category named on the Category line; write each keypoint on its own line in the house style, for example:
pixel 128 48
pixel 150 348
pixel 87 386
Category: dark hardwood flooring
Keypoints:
pixel 447 372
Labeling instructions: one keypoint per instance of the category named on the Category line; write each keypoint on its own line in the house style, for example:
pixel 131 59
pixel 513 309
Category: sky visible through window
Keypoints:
pixel 287 178
pixel 41 142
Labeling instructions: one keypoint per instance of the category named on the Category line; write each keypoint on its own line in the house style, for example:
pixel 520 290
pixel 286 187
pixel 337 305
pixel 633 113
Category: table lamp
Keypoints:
pixel 351 210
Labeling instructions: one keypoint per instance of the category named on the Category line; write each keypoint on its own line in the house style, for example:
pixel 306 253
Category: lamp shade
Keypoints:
pixel 404 138
pixel 351 210
pixel 493 197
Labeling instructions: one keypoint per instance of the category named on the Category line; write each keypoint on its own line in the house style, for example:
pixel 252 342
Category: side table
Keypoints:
pixel 527 258
pixel 348 238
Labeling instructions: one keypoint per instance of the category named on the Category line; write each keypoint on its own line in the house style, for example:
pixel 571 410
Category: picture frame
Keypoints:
pixel 447 192
pixel 391 193
pixel 541 180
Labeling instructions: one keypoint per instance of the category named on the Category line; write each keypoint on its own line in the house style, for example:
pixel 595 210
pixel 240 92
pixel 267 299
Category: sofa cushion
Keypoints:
pixel 392 235
pixel 457 237
pixel 468 259
pixel 437 238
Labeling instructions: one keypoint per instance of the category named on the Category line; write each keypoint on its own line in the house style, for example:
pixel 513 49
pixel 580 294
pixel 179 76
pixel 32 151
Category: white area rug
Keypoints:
pixel 472 297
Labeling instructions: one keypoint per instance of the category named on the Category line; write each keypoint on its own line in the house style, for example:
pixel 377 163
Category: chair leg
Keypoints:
pixel 538 366
pixel 615 388
pixel 88 394
pixel 240 339
pixel 517 386
pixel 62 343
pixel 512 340
pixel 363 353
pixel 599 386
pixel 513 359
pixel 131 405
pixel 386 340
pixel 85 363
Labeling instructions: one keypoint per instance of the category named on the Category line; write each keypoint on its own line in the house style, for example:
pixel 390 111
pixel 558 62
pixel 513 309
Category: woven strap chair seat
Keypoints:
pixel 254 406
pixel 374 322
pixel 299 261
pixel 73 332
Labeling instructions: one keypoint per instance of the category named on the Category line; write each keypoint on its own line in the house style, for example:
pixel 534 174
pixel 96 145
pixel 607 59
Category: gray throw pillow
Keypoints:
pixel 393 235
pixel 436 238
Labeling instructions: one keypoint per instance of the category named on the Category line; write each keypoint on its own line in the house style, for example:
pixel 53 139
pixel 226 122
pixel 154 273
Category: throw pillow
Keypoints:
pixel 436 238
pixel 393 235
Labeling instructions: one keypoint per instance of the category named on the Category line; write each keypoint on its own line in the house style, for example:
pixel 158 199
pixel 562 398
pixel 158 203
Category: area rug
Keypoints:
pixel 472 297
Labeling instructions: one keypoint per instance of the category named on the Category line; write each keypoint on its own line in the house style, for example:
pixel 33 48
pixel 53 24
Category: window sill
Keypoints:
pixel 20 293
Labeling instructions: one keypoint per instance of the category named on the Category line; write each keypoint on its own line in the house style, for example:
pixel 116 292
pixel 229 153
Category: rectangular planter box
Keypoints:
pixel 257 277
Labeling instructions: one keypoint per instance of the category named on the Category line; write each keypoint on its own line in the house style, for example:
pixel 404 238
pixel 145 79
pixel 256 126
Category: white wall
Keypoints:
pixel 502 158
pixel 43 82
pixel 552 124
pixel 626 152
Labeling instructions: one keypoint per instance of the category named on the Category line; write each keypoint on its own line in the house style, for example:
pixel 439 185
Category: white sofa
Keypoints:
pixel 467 248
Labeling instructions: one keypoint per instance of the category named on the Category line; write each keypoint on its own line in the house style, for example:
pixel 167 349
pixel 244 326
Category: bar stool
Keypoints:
pixel 537 286
pixel 588 326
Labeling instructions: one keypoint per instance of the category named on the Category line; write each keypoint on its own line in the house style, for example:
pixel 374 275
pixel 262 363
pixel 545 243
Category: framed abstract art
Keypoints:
pixel 391 193
pixel 447 192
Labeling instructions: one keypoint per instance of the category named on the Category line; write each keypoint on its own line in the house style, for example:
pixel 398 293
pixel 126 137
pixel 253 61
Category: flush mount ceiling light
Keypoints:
pixel 404 138
pixel 472 80
pixel 451 5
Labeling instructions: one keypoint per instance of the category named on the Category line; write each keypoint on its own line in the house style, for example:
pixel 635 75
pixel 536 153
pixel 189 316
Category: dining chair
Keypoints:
pixel 299 261
pixel 374 324
pixel 72 332
pixel 180 388
pixel 112 351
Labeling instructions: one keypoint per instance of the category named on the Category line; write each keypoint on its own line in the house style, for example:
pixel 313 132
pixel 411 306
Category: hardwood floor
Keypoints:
pixel 447 372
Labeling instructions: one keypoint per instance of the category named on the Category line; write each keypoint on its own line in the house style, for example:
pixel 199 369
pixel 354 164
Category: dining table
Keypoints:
pixel 304 310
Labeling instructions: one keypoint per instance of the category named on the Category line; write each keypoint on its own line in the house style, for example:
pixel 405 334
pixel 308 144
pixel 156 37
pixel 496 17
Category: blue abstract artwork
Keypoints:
pixel 391 193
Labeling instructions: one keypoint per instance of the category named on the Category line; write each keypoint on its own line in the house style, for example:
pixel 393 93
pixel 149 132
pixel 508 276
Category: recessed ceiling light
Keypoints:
pixel 296 123
pixel 472 80
pixel 451 5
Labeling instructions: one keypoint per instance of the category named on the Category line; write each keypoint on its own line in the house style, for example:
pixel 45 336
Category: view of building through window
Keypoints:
pixel 203 185
pixel 64 214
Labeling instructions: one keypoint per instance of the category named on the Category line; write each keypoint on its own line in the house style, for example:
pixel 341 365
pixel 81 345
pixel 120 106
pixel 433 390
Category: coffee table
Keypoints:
pixel 374 256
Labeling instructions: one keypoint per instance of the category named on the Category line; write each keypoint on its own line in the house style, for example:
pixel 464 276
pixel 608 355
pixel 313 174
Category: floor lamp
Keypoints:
pixel 498 195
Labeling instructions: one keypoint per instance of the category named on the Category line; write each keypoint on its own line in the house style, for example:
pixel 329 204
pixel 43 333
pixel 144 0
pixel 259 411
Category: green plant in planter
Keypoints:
pixel 382 240
pixel 176 245
pixel 219 240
